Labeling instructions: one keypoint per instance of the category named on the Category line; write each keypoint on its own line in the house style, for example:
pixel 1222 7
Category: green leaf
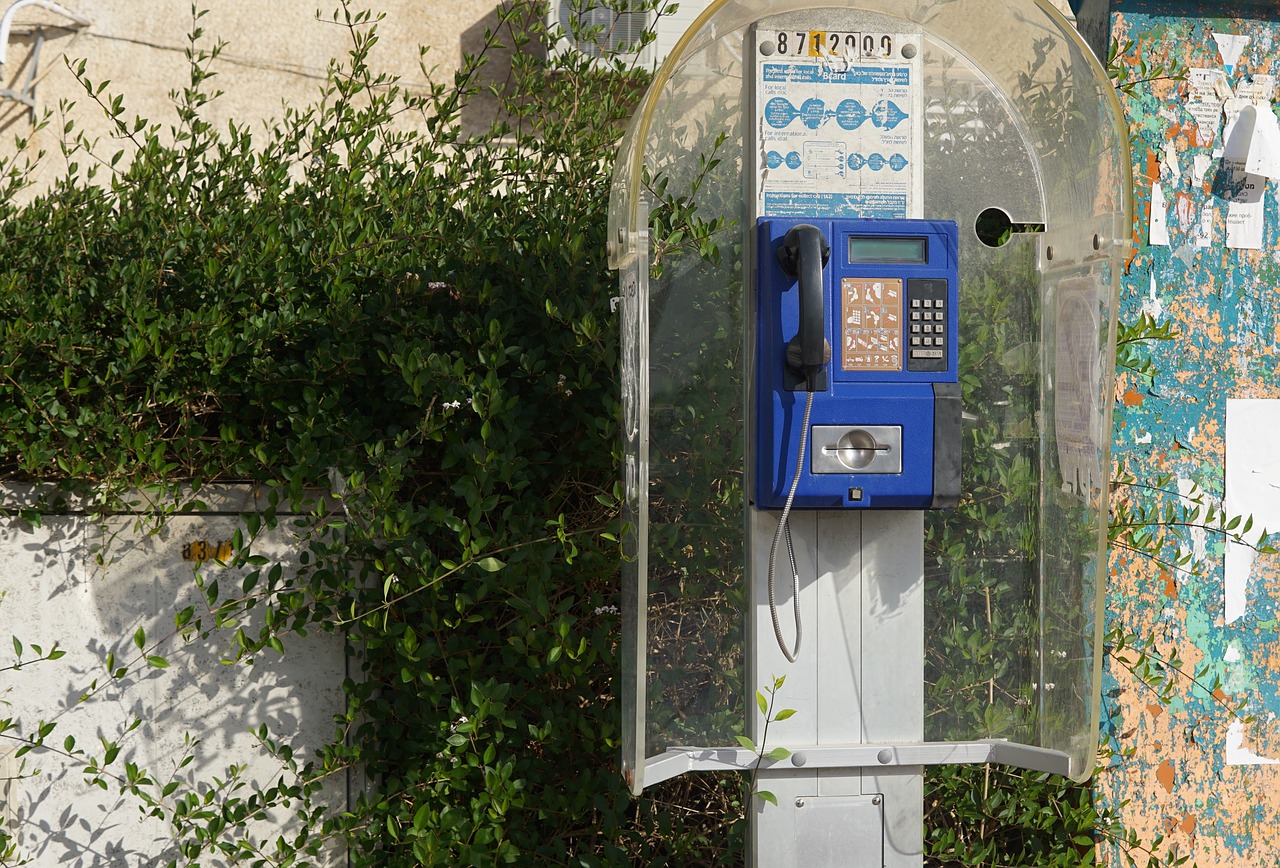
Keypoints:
pixel 746 742
pixel 158 662
pixel 778 753
pixel 762 703
pixel 784 714
pixel 140 638
pixel 421 816
pixel 490 565
pixel 768 797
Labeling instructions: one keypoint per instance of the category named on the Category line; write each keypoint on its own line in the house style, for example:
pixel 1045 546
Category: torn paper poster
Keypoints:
pixel 1230 46
pixel 1206 91
pixel 1159 234
pixel 1242 190
pixel 1259 88
pixel 1251 478
pixel 1244 221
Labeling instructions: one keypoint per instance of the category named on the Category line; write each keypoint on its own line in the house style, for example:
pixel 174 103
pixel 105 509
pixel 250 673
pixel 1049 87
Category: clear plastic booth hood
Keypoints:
pixel 999 130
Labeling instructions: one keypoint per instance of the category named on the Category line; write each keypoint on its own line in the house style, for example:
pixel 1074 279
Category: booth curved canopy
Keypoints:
pixel 1022 126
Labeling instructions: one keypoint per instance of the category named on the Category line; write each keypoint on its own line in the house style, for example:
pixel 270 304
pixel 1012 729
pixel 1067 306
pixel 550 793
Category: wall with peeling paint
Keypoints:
pixel 1191 769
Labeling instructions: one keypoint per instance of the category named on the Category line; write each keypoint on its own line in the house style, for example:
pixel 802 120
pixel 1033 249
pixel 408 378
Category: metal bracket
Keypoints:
pixel 27 93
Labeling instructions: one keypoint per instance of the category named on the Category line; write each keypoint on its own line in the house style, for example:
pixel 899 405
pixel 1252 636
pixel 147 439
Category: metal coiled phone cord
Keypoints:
pixel 784 531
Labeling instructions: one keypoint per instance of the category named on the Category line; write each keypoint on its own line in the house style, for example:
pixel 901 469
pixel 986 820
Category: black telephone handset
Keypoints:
pixel 803 255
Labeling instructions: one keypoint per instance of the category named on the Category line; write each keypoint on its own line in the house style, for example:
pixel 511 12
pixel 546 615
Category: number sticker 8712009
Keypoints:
pixel 829 43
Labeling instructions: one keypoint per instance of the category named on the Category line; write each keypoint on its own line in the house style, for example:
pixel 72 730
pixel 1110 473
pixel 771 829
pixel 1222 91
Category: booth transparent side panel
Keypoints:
pixel 633 286
pixel 696 591
pixel 981 576
pixel 1011 587
pixel 1079 348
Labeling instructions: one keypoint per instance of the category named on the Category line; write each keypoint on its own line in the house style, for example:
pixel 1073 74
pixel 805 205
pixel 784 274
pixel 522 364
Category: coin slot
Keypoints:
pixel 857 449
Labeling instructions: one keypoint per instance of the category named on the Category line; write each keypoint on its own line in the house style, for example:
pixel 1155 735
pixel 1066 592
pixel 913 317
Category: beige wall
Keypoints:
pixel 276 55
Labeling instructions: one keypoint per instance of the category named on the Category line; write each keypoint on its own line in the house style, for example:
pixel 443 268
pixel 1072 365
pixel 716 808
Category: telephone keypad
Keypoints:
pixel 928 313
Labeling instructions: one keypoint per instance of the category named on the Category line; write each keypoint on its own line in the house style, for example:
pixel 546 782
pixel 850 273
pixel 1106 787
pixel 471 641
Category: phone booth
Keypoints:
pixel 869 255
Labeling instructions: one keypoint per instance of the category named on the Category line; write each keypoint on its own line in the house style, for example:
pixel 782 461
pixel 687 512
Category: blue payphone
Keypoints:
pixel 857 364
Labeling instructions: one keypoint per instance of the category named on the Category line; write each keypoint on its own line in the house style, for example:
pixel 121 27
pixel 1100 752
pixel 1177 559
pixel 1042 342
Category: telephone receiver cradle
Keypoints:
pixel 871 332
pixel 802 256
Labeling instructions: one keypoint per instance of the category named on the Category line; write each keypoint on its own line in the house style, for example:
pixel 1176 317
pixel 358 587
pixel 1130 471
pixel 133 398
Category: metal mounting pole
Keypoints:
pixel 858 680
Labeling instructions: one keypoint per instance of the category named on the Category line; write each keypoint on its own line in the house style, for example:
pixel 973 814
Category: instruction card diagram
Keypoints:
pixel 838 136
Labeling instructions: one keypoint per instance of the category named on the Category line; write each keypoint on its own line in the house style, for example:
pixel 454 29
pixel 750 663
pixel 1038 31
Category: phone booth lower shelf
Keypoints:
pixel 680 760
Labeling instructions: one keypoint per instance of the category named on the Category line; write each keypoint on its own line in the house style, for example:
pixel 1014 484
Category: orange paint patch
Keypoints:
pixel 1170 587
pixel 1164 775
pixel 1188 824
pixel 1154 710
pixel 1132 398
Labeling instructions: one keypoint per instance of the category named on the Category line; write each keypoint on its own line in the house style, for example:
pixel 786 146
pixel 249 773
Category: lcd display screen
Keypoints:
pixel 888 248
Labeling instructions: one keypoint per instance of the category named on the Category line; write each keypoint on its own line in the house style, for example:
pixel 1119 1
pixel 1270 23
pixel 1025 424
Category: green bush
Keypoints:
pixel 368 298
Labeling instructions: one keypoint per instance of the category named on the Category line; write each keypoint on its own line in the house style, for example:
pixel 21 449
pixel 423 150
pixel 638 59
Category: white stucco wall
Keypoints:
pixel 55 591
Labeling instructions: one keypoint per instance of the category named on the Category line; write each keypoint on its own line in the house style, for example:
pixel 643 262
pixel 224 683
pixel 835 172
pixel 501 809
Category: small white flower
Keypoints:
pixel 452 405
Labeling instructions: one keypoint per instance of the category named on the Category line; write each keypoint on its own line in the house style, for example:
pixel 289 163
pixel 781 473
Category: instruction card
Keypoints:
pixel 839 119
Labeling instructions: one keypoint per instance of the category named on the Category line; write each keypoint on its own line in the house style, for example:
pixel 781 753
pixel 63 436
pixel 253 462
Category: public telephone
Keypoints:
pixel 851 115
pixel 857 361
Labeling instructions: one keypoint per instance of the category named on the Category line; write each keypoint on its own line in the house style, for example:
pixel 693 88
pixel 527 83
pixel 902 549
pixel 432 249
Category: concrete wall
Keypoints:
pixel 55 591
pixel 1198 773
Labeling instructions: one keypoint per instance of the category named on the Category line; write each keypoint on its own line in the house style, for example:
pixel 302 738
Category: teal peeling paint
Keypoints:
pixel 1225 302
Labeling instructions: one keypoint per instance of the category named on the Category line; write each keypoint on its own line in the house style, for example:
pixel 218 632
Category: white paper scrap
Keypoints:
pixel 1169 163
pixel 1200 167
pixel 1236 754
pixel 1264 147
pixel 1250 480
pixel 1207 88
pixel 1159 234
pixel 1230 46
pixel 1203 231
pixel 1152 306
